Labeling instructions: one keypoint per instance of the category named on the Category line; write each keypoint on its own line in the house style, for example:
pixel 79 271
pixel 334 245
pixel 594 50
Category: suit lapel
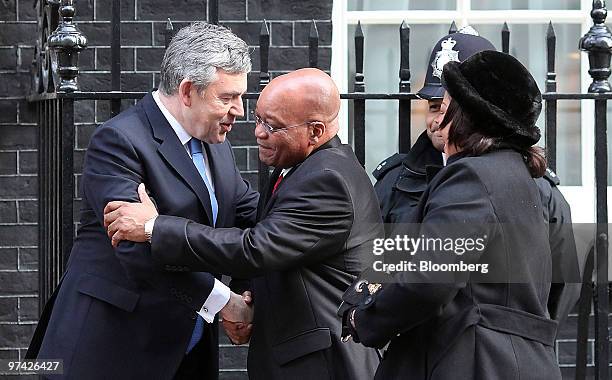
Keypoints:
pixel 174 153
pixel 264 201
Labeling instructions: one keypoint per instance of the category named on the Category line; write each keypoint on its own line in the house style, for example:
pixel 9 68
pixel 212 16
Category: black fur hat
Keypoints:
pixel 498 94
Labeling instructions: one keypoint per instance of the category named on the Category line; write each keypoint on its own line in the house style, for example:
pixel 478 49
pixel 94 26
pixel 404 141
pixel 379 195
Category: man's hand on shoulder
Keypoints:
pixel 126 220
pixel 237 316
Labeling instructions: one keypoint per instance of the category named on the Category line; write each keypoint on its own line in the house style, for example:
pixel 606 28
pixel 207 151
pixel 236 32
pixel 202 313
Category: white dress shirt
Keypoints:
pixel 220 294
pixel 285 171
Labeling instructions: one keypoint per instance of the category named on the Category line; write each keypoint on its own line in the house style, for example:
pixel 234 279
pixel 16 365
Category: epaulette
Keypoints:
pixel 552 177
pixel 388 164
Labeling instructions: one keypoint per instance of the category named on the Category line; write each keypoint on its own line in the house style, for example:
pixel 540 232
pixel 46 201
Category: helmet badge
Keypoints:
pixel 444 56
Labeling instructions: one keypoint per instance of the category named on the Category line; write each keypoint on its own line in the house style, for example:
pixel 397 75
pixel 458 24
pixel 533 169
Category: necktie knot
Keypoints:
pixel 195 146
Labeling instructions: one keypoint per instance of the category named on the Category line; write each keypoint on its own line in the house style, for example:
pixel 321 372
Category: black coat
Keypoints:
pixel 116 315
pixel 467 329
pixel 313 238
pixel 402 179
pixel 567 268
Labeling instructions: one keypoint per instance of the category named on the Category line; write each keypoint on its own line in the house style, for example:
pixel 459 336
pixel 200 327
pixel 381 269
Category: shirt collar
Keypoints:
pixel 176 126
pixel 285 171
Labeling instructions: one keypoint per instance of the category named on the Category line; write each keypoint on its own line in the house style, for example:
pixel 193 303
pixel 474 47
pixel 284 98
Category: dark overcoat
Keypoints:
pixel 116 315
pixel 567 267
pixel 402 179
pixel 469 328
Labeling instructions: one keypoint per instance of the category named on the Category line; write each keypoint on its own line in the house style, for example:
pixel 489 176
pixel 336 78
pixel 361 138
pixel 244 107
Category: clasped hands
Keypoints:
pixel 237 316
pixel 126 221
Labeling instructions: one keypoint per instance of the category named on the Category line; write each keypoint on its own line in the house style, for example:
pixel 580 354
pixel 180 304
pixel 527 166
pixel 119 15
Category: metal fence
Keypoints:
pixel 55 89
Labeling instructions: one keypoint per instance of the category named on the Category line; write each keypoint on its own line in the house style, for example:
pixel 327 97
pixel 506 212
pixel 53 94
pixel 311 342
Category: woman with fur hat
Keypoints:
pixel 449 318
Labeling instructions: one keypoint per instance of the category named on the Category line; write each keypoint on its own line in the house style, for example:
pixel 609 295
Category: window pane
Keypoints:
pixel 524 4
pixel 532 53
pixel 381 66
pixel 393 5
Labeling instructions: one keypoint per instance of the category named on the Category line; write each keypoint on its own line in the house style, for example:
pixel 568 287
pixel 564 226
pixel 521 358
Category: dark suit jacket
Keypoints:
pixel 313 238
pixel 475 327
pixel 117 315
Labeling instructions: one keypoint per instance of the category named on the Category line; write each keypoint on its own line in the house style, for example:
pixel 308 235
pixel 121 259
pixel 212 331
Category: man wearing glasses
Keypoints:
pixel 316 221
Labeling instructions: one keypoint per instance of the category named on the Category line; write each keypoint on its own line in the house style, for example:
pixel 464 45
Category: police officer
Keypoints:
pixel 402 178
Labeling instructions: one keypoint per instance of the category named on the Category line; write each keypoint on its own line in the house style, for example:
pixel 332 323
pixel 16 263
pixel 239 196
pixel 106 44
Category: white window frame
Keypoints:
pixel 581 198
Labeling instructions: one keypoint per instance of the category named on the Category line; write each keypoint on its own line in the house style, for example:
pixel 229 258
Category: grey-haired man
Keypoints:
pixel 116 314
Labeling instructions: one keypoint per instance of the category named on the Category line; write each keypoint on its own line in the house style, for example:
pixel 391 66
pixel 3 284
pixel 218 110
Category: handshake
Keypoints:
pixel 237 317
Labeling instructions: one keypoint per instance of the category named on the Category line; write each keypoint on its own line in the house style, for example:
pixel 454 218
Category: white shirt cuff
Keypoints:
pixel 217 299
pixel 148 227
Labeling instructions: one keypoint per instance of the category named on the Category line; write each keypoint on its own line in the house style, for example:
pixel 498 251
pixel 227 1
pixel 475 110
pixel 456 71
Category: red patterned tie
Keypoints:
pixel 278 181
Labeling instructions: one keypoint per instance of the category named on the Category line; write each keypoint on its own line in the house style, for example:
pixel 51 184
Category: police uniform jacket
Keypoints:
pixel 402 178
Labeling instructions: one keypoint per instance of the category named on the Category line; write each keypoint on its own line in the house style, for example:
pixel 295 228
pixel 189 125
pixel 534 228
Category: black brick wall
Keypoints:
pixel 18 181
pixel 143 23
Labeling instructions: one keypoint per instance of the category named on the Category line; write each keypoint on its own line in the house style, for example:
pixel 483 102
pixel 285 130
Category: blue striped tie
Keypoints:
pixel 195 146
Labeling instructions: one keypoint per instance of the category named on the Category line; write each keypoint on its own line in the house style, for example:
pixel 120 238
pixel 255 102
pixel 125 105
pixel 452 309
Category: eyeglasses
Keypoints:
pixel 270 129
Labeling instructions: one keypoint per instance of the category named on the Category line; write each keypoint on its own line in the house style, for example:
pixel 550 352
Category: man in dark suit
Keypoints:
pixel 317 220
pixel 115 314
